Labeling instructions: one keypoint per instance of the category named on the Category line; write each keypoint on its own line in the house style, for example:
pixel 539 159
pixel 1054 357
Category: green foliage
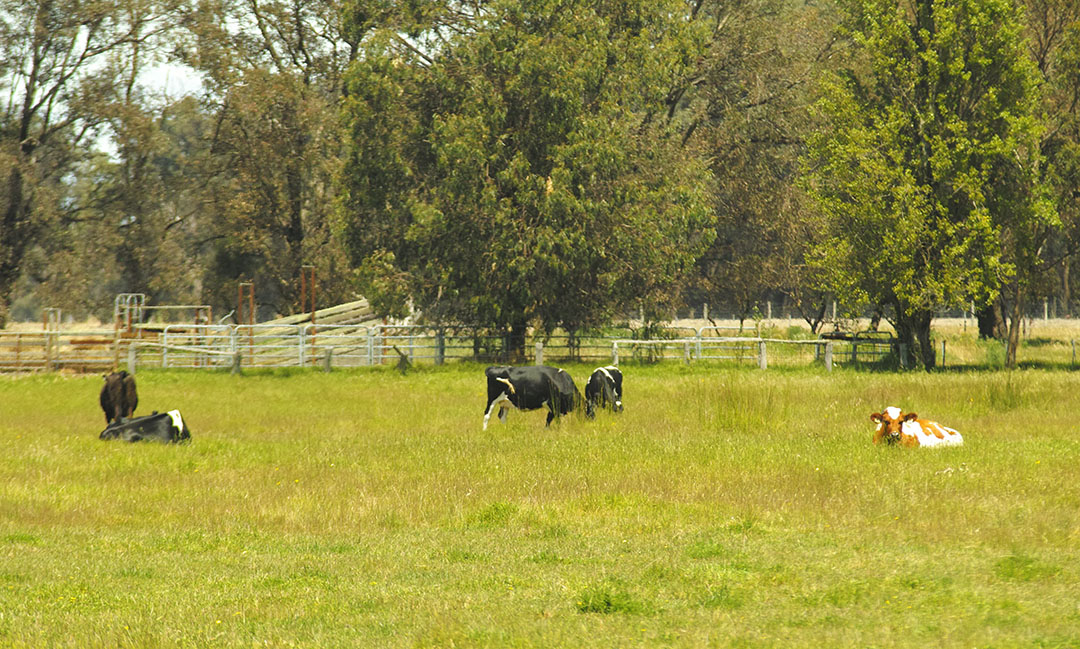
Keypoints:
pixel 752 111
pixel 520 169
pixel 926 165
pixel 65 68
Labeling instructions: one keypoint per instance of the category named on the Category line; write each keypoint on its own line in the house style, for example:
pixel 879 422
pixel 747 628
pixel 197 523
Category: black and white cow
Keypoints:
pixel 161 427
pixel 529 388
pixel 603 389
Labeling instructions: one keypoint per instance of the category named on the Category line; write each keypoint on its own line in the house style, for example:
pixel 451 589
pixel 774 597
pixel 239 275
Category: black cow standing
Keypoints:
pixel 118 396
pixel 160 427
pixel 529 388
pixel 603 389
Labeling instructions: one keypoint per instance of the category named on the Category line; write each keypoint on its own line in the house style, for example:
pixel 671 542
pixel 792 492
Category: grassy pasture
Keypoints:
pixel 724 508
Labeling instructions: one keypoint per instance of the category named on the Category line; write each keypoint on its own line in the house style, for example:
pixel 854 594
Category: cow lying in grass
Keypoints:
pixel 529 388
pixel 166 427
pixel 908 430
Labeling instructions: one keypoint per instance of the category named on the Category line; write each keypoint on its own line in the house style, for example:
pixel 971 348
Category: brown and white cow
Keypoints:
pixel 908 430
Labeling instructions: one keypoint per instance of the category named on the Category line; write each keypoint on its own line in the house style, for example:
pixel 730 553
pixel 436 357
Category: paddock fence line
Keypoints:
pixel 224 346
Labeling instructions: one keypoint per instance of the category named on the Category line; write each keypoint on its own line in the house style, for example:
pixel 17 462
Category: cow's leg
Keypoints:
pixel 496 403
pixel 502 413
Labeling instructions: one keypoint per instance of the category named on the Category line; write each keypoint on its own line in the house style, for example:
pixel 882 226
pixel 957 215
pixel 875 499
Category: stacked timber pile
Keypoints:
pixel 349 313
pixel 337 326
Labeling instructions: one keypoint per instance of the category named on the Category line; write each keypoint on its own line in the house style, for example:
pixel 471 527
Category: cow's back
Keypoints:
pixel 168 427
pixel 923 432
pixel 118 397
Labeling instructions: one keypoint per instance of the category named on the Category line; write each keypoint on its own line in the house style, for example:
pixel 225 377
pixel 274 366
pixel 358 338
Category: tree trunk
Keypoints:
pixel 1016 322
pixel 14 236
pixel 516 350
pixel 1066 293
pixel 991 321
pixel 913 331
pixel 875 319
pixel 294 228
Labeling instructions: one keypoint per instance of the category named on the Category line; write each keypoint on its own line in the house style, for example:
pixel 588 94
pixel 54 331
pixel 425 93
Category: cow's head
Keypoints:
pixel 498 381
pixel 500 389
pixel 890 423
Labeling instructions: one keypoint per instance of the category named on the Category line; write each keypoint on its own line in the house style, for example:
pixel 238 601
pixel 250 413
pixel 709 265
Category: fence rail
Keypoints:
pixel 297 345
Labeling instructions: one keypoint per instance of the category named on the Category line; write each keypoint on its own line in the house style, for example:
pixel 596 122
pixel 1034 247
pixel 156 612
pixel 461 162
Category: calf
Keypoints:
pixel 909 430
pixel 604 388
pixel 161 427
pixel 529 388
pixel 118 397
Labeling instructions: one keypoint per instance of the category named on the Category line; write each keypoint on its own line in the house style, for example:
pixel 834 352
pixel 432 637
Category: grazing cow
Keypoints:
pixel 161 427
pixel 604 388
pixel 909 430
pixel 529 388
pixel 118 396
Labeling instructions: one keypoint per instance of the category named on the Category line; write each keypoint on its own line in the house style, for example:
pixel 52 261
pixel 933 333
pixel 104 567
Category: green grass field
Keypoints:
pixel 724 508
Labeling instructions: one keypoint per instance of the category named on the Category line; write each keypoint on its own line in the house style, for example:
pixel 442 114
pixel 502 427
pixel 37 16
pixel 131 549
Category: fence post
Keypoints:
pixel 440 347
pixel 539 352
pixel 328 359
pixel 131 359
pixel 165 346
pixel 301 340
pixel 371 346
pixel 942 353
pixel 686 352
pixel 854 352
pixel 828 356
pixel 234 347
pixel 762 359
pixel 614 353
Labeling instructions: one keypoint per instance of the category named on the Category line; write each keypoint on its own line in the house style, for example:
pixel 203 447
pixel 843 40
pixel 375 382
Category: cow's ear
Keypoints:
pixel 876 417
pixel 910 417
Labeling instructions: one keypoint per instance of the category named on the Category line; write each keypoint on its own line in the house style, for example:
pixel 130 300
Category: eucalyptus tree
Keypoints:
pixel 515 163
pixel 756 85
pixel 272 73
pixel 927 166
pixel 57 62
pixel 1054 45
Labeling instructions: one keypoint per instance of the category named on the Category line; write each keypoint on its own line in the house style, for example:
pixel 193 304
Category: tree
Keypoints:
pixel 515 163
pixel 927 162
pixel 273 71
pixel 54 66
pixel 756 90
pixel 1046 246
pixel 1054 45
